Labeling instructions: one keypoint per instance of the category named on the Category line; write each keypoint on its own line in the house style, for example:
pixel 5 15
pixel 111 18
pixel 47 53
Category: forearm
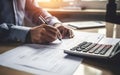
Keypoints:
pixel 14 33
pixel 34 12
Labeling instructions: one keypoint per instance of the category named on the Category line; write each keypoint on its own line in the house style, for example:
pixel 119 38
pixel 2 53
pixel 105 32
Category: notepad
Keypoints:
pixel 86 24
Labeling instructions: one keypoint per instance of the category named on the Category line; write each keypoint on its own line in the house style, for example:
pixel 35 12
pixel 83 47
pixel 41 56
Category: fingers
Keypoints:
pixel 51 28
pixel 48 36
pixel 66 32
pixel 71 34
pixel 53 31
pixel 44 34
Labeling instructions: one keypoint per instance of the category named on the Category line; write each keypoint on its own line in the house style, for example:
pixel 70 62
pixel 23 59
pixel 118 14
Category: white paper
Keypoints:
pixel 47 59
pixel 79 37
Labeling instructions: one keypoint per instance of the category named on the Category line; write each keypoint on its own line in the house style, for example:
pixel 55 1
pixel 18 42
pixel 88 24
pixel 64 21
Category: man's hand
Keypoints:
pixel 65 31
pixel 44 34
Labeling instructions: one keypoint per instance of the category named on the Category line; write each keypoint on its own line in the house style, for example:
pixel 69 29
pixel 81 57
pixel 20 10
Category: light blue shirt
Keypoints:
pixel 12 14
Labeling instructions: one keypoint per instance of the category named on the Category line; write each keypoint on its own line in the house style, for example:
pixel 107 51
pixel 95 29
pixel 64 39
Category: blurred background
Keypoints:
pixel 90 4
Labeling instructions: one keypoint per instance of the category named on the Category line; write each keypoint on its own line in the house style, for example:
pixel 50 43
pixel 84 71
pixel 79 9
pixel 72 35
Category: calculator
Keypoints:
pixel 90 49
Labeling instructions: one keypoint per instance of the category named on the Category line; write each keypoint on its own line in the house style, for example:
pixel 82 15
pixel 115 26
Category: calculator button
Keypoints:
pixel 83 43
pixel 94 48
pixel 79 49
pixel 78 46
pixel 73 49
pixel 86 45
pixel 107 47
pixel 89 47
pixel 99 49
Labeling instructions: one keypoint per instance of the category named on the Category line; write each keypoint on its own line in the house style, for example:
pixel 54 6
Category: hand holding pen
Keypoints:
pixel 45 33
pixel 44 22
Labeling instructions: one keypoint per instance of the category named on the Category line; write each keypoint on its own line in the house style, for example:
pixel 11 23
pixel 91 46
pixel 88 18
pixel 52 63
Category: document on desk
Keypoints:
pixel 47 59
pixel 86 24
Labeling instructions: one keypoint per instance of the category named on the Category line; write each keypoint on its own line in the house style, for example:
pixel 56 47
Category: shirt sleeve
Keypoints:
pixel 10 32
pixel 33 12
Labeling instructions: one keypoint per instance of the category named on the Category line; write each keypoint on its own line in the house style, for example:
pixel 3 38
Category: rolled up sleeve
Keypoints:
pixel 18 33
pixel 13 32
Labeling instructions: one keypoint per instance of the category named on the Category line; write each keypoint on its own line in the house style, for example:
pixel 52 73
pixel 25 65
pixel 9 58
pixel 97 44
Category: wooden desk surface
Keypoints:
pixel 86 68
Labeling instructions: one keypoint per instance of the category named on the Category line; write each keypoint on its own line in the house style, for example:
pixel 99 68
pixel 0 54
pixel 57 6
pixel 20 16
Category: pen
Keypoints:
pixel 44 21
